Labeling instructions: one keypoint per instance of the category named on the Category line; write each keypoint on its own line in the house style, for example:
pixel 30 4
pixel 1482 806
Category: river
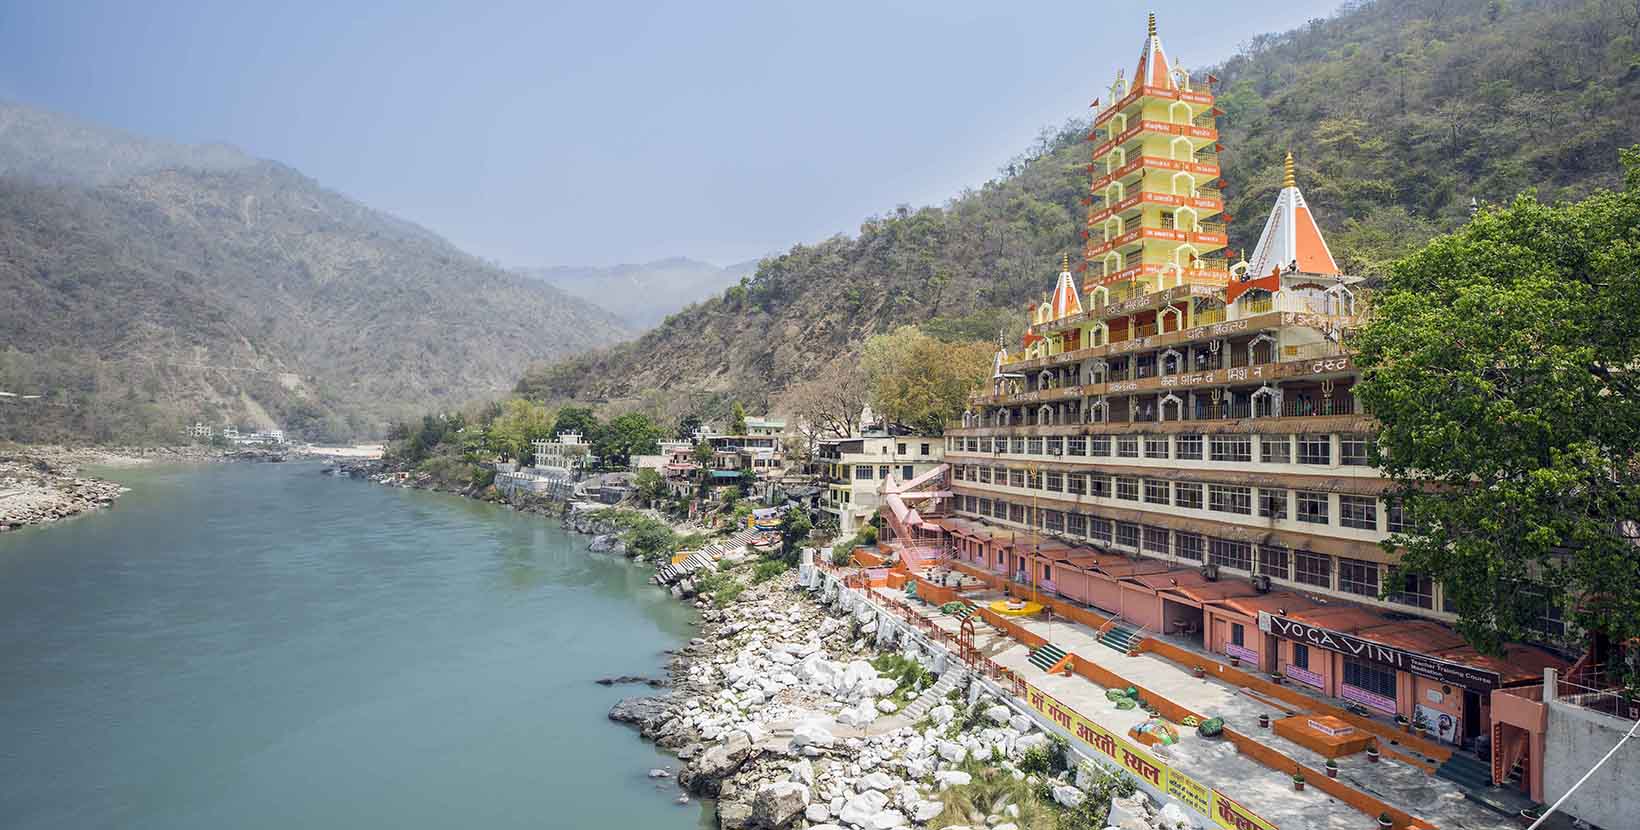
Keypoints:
pixel 257 646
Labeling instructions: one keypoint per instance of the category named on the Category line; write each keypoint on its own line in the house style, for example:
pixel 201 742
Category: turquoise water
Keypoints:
pixel 254 646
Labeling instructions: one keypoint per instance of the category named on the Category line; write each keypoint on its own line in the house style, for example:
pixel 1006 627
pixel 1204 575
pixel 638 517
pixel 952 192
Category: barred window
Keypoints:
pixel 1312 507
pixel 1017 445
pixel 1272 503
pixel 1099 529
pixel 1099 446
pixel 1155 446
pixel 1228 499
pixel 862 472
pixel 1099 485
pixel 1312 569
pixel 1127 535
pixel 1034 446
pixel 1353 450
pixel 1155 491
pixel 1275 449
pixel 1188 447
pixel 984 475
pixel 1187 494
pixel 1054 482
pixel 1127 446
pixel 1016 512
pixel 999 444
pixel 1056 445
pixel 1314 449
pixel 1370 677
pixel 1155 539
pixel 1188 546
pixel 1076 524
pixel 984 507
pixel 1232 448
pixel 1127 489
pixel 1230 554
pixel 1053 520
pixel 1273 561
pixel 1077 445
pixel 1016 478
pixel 1416 590
pixel 1358 577
pixel 1076 484
pixel 1359 512
pixel 1396 518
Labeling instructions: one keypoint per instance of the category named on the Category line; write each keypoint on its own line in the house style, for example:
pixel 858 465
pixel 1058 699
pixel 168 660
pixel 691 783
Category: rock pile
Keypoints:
pixel 35 491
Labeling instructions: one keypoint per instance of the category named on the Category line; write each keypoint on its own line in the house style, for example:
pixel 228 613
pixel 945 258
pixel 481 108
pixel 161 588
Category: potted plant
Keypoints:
pixel 1531 814
pixel 1298 782
pixel 1211 728
pixel 1277 678
pixel 1200 671
pixel 1401 721
pixel 1372 753
pixel 1420 724
pixel 1264 721
pixel 1332 768
pixel 1234 660
pixel 1385 822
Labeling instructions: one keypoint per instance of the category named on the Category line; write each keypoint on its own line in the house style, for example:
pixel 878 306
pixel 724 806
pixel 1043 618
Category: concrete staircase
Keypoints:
pixel 934 695
pixel 1046 656
pixel 1121 637
pixel 1474 777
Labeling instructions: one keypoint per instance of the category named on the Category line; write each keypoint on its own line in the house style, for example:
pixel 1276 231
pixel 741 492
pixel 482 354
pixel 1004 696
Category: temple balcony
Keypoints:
pixel 1136 382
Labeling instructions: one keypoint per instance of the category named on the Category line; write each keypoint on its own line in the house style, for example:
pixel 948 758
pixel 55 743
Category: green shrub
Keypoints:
pixel 768 569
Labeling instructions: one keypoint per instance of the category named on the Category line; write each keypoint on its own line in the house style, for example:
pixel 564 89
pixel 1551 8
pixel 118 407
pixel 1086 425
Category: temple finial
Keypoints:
pixel 1288 178
pixel 1065 262
pixel 1152 24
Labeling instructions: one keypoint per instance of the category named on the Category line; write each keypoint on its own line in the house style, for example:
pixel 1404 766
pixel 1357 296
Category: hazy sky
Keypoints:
pixel 609 131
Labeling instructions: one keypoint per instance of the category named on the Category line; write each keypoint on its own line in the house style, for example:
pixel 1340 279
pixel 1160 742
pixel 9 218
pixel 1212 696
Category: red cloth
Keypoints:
pixel 1270 282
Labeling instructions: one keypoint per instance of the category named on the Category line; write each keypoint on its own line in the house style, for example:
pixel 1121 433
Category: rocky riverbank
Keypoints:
pixel 787 712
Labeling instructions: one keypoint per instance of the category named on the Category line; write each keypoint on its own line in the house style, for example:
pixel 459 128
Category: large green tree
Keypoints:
pixel 919 381
pixel 1501 361
pixel 625 436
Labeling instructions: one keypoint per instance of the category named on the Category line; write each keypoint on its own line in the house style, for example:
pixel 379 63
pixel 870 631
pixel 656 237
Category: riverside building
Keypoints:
pixel 1177 444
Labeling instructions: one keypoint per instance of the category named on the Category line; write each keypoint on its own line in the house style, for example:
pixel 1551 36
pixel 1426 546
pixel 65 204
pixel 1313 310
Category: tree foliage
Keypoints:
pixel 1501 362
pixel 920 382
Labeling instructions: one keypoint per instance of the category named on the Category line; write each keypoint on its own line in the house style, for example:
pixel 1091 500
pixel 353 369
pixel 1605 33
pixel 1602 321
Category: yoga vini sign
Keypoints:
pixel 1421 665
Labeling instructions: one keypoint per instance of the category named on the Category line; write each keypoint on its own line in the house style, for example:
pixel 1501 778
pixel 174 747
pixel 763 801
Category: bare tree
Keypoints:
pixel 828 403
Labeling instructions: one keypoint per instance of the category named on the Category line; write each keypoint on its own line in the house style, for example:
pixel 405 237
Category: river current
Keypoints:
pixel 261 646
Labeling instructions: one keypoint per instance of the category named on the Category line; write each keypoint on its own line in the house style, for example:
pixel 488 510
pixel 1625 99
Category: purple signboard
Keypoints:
pixel 1247 654
pixel 1366 698
pixel 1305 676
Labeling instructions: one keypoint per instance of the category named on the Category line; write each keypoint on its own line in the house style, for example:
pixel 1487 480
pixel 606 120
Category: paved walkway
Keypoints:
pixel 1217 763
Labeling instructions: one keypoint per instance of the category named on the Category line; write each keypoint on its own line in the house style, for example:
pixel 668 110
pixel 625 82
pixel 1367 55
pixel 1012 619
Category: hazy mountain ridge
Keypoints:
pixel 113 297
pixel 1400 112
pixel 643 294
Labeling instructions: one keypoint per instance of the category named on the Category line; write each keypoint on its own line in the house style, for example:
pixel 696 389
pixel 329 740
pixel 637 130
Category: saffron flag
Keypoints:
pixel 1270 282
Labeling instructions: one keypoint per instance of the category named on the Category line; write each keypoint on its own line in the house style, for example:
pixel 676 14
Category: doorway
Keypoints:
pixel 1471 716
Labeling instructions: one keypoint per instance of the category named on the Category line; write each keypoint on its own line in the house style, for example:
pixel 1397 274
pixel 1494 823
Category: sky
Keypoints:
pixel 595 133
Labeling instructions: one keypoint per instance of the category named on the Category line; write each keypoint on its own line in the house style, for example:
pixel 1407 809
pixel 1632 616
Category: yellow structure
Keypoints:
pixel 1016 607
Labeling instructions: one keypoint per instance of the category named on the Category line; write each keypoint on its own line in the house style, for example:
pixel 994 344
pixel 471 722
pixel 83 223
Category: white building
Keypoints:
pixel 853 471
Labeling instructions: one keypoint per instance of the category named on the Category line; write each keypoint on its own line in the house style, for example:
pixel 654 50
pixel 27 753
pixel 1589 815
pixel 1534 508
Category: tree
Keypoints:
pixel 520 422
pixel 703 454
pixel 794 530
pixel 687 427
pixel 737 420
pixel 625 436
pixel 577 419
pixel 1500 362
pixel 828 404
pixel 920 382
pixel 650 485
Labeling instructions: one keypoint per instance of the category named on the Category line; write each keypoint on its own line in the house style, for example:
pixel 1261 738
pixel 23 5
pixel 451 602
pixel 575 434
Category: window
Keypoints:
pixel 925 449
pixel 1272 504
pixel 1016 512
pixel 1227 499
pixel 1273 561
pixel 1099 529
pixel 1314 449
pixel 1155 491
pixel 1127 446
pixel 1187 494
pixel 1155 446
pixel 984 475
pixel 1076 484
pixel 1099 446
pixel 1370 677
pixel 1232 448
pixel 1076 446
pixel 1238 634
pixel 1188 546
pixel 1127 489
pixel 1188 447
pixel 1301 656
pixel 1229 554
pixel 1077 524
pixel 882 471
pixel 1016 478
pixel 984 507
pixel 1127 535
pixel 1353 449
pixel 1053 520
pixel 1054 482
pixel 908 472
pixel 1034 446
pixel 1416 590
pixel 1155 540
pixel 1275 449
pixel 1396 518
pixel 1359 512
pixel 1312 507
pixel 1099 485
pixel 1056 445
pixel 862 472
pixel 1016 445
pixel 1312 569
pixel 899 449
pixel 1358 577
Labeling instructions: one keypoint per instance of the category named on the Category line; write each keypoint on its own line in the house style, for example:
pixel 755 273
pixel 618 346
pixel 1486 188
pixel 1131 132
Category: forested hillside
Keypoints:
pixel 1399 111
pixel 642 294
pixel 151 289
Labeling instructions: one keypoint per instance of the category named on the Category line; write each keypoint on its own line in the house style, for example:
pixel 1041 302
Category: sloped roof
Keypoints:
pixel 1291 235
pixel 1065 301
pixel 1153 69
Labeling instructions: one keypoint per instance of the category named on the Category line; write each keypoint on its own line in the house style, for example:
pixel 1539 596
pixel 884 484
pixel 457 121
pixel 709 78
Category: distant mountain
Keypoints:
pixel 642 295
pixel 1399 111
pixel 145 285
